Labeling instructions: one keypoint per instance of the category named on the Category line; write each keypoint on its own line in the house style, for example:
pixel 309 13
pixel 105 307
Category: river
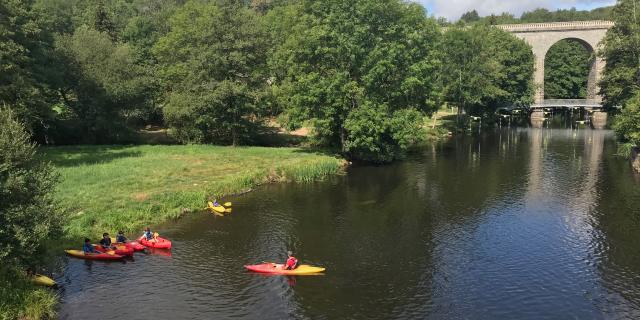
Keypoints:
pixel 509 224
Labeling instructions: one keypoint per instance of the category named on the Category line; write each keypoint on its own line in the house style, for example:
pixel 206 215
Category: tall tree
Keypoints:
pixel 355 68
pixel 27 212
pixel 621 79
pixel 213 63
pixel 566 70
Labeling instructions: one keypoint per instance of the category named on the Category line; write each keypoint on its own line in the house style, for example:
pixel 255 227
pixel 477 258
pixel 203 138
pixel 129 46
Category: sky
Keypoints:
pixel 453 9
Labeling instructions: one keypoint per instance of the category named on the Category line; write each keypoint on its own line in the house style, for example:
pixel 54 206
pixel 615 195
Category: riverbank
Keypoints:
pixel 111 188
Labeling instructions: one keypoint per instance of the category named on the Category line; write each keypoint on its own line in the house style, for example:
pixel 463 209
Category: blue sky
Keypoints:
pixel 453 9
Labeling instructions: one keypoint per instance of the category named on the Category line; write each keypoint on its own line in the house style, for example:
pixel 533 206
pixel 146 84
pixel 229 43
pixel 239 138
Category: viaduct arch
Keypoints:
pixel 541 36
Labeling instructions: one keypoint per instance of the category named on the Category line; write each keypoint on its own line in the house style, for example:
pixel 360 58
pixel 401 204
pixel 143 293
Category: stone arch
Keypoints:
pixel 541 36
pixel 593 77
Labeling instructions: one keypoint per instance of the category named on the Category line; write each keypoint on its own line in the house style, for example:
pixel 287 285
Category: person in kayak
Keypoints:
pixel 87 248
pixel 292 262
pixel 105 242
pixel 215 203
pixel 120 237
pixel 150 236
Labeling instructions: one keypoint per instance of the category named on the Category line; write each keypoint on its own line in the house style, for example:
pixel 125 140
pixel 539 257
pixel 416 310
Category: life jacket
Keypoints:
pixel 292 263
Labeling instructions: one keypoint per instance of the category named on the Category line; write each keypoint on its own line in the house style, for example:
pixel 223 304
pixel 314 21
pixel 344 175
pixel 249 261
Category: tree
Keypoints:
pixel 470 16
pixel 27 213
pixel 213 64
pixel 627 123
pixel 621 78
pixel 467 68
pixel 485 68
pixel 99 84
pixel 350 65
pixel 566 71
pixel 23 49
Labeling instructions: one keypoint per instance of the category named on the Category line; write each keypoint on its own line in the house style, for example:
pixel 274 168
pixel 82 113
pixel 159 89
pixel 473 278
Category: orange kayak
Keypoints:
pixel 99 256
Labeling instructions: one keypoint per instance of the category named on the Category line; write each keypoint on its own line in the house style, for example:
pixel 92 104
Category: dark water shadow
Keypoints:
pixel 84 155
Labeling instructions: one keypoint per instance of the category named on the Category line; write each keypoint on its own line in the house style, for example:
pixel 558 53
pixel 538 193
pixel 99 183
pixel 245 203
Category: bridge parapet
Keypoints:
pixel 568 103
pixel 557 26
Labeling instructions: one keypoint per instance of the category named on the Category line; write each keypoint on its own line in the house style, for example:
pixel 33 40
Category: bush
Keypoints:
pixel 27 214
pixel 376 135
pixel 627 123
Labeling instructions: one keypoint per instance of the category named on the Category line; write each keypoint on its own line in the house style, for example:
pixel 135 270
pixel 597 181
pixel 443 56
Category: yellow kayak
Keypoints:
pixel 219 208
pixel 109 255
pixel 275 268
pixel 42 280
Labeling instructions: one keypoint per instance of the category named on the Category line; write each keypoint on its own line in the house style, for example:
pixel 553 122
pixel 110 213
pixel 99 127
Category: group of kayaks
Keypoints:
pixel 121 250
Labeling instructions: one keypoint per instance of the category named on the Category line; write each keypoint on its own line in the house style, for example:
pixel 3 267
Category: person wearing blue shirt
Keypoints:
pixel 148 234
pixel 120 237
pixel 105 242
pixel 87 248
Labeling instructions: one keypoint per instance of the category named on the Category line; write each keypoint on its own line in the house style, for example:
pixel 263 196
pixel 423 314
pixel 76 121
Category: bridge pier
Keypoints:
pixel 537 118
pixel 599 119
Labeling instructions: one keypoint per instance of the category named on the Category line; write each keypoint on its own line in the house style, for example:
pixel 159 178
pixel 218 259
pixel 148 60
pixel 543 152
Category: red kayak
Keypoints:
pixel 100 256
pixel 135 245
pixel 161 243
pixel 120 249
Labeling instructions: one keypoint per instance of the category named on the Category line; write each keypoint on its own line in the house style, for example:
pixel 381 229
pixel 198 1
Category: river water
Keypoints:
pixel 511 224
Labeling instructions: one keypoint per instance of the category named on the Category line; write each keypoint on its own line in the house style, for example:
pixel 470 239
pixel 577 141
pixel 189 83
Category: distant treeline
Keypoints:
pixel 536 16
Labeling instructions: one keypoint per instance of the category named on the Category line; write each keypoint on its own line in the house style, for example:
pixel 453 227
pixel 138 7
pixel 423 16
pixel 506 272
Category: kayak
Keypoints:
pixel 100 256
pixel 135 245
pixel 274 268
pixel 219 208
pixel 42 280
pixel 121 249
pixel 160 244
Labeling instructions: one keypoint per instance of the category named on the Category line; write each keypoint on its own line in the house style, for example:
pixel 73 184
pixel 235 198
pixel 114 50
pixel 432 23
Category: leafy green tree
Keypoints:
pixel 23 49
pixel 27 213
pixel 467 68
pixel 213 64
pixel 485 68
pixel 566 70
pixel 627 123
pixel 621 78
pixel 343 56
pixel 99 85
pixel 470 16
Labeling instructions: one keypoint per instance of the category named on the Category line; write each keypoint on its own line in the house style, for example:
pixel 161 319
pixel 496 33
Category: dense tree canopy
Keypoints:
pixel 621 78
pixel 363 74
pixel 359 70
pixel 485 68
pixel 27 215
pixel 213 65
pixel 566 70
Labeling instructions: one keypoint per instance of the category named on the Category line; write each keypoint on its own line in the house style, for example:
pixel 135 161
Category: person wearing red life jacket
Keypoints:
pixel 292 262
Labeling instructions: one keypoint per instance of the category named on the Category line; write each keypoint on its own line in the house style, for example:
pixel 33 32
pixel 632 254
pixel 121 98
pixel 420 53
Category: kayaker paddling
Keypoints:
pixel 150 236
pixel 292 262
pixel 105 242
pixel 120 237
pixel 88 248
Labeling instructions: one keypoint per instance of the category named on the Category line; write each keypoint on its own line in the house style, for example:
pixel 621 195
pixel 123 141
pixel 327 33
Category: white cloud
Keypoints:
pixel 453 9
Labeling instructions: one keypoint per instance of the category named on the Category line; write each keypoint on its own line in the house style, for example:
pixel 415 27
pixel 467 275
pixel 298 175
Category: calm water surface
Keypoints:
pixel 514 224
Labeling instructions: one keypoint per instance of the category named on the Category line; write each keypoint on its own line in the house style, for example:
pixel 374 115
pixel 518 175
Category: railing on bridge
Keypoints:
pixel 568 103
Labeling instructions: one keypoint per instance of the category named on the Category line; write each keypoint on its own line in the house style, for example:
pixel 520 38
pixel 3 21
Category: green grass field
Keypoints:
pixel 111 188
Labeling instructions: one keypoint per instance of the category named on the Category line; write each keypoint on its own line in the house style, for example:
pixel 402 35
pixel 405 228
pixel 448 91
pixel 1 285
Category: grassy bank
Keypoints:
pixel 110 188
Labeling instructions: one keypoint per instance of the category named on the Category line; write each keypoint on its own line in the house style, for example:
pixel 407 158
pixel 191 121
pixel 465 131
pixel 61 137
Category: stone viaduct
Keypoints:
pixel 541 36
